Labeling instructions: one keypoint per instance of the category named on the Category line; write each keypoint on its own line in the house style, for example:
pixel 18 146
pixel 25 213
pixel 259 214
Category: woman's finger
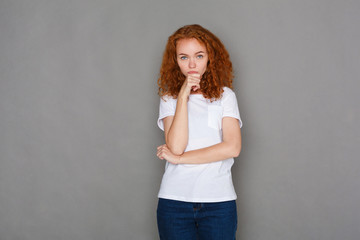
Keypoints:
pixel 161 146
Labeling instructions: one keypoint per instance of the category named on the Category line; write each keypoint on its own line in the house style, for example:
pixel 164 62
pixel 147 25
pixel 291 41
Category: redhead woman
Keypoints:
pixel 201 122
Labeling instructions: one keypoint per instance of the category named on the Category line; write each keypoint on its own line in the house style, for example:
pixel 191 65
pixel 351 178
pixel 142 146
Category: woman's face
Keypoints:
pixel 191 56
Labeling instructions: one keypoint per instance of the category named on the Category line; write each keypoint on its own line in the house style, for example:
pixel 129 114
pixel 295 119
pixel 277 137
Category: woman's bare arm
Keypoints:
pixel 228 148
pixel 176 127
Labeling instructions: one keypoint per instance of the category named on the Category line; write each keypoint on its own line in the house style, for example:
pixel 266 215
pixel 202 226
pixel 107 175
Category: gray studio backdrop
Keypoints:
pixel 78 110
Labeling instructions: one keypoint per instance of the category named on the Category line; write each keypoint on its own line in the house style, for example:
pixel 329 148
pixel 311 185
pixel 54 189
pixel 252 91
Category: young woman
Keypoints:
pixel 200 118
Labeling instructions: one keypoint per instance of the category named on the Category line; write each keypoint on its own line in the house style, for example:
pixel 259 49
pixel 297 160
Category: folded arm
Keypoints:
pixel 228 148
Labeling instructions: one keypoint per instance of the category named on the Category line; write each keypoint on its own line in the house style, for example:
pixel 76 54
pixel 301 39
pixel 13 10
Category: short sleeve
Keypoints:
pixel 230 106
pixel 167 108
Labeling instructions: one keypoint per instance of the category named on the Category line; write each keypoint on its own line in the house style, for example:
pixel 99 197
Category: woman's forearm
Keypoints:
pixel 228 148
pixel 217 152
pixel 178 134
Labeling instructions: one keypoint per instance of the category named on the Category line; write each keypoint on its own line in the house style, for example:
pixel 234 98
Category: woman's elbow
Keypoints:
pixel 176 150
pixel 236 151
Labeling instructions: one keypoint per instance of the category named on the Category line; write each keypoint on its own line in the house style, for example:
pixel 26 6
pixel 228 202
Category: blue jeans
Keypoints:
pixel 188 221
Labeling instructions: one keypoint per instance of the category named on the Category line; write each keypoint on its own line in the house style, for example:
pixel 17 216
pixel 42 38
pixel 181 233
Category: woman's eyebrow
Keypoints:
pixel 195 53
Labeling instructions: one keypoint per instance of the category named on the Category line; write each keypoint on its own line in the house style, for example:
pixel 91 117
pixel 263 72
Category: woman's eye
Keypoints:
pixel 183 58
pixel 200 56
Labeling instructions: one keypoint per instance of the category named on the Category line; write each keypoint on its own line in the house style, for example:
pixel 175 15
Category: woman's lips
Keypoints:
pixel 192 72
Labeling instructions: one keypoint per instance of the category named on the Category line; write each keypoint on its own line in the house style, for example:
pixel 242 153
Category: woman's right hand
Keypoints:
pixel 191 83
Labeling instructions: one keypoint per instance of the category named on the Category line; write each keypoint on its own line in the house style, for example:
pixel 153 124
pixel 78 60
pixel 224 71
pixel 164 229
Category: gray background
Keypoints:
pixel 78 110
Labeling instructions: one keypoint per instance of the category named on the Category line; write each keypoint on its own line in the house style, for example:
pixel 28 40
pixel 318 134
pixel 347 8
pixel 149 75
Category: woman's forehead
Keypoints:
pixel 190 45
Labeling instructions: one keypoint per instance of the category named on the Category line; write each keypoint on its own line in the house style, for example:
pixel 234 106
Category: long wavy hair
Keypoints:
pixel 218 72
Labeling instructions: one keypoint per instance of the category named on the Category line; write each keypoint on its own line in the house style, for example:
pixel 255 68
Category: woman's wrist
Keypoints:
pixel 179 160
pixel 182 97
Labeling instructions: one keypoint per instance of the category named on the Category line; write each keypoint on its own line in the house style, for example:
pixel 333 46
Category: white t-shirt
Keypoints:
pixel 209 182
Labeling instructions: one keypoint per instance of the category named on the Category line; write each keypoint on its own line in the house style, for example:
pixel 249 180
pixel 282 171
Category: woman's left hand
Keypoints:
pixel 163 152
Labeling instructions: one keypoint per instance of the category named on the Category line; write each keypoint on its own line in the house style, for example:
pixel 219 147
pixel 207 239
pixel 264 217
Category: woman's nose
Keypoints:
pixel 192 63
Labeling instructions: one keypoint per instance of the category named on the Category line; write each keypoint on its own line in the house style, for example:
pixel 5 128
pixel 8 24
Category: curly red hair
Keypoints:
pixel 218 72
